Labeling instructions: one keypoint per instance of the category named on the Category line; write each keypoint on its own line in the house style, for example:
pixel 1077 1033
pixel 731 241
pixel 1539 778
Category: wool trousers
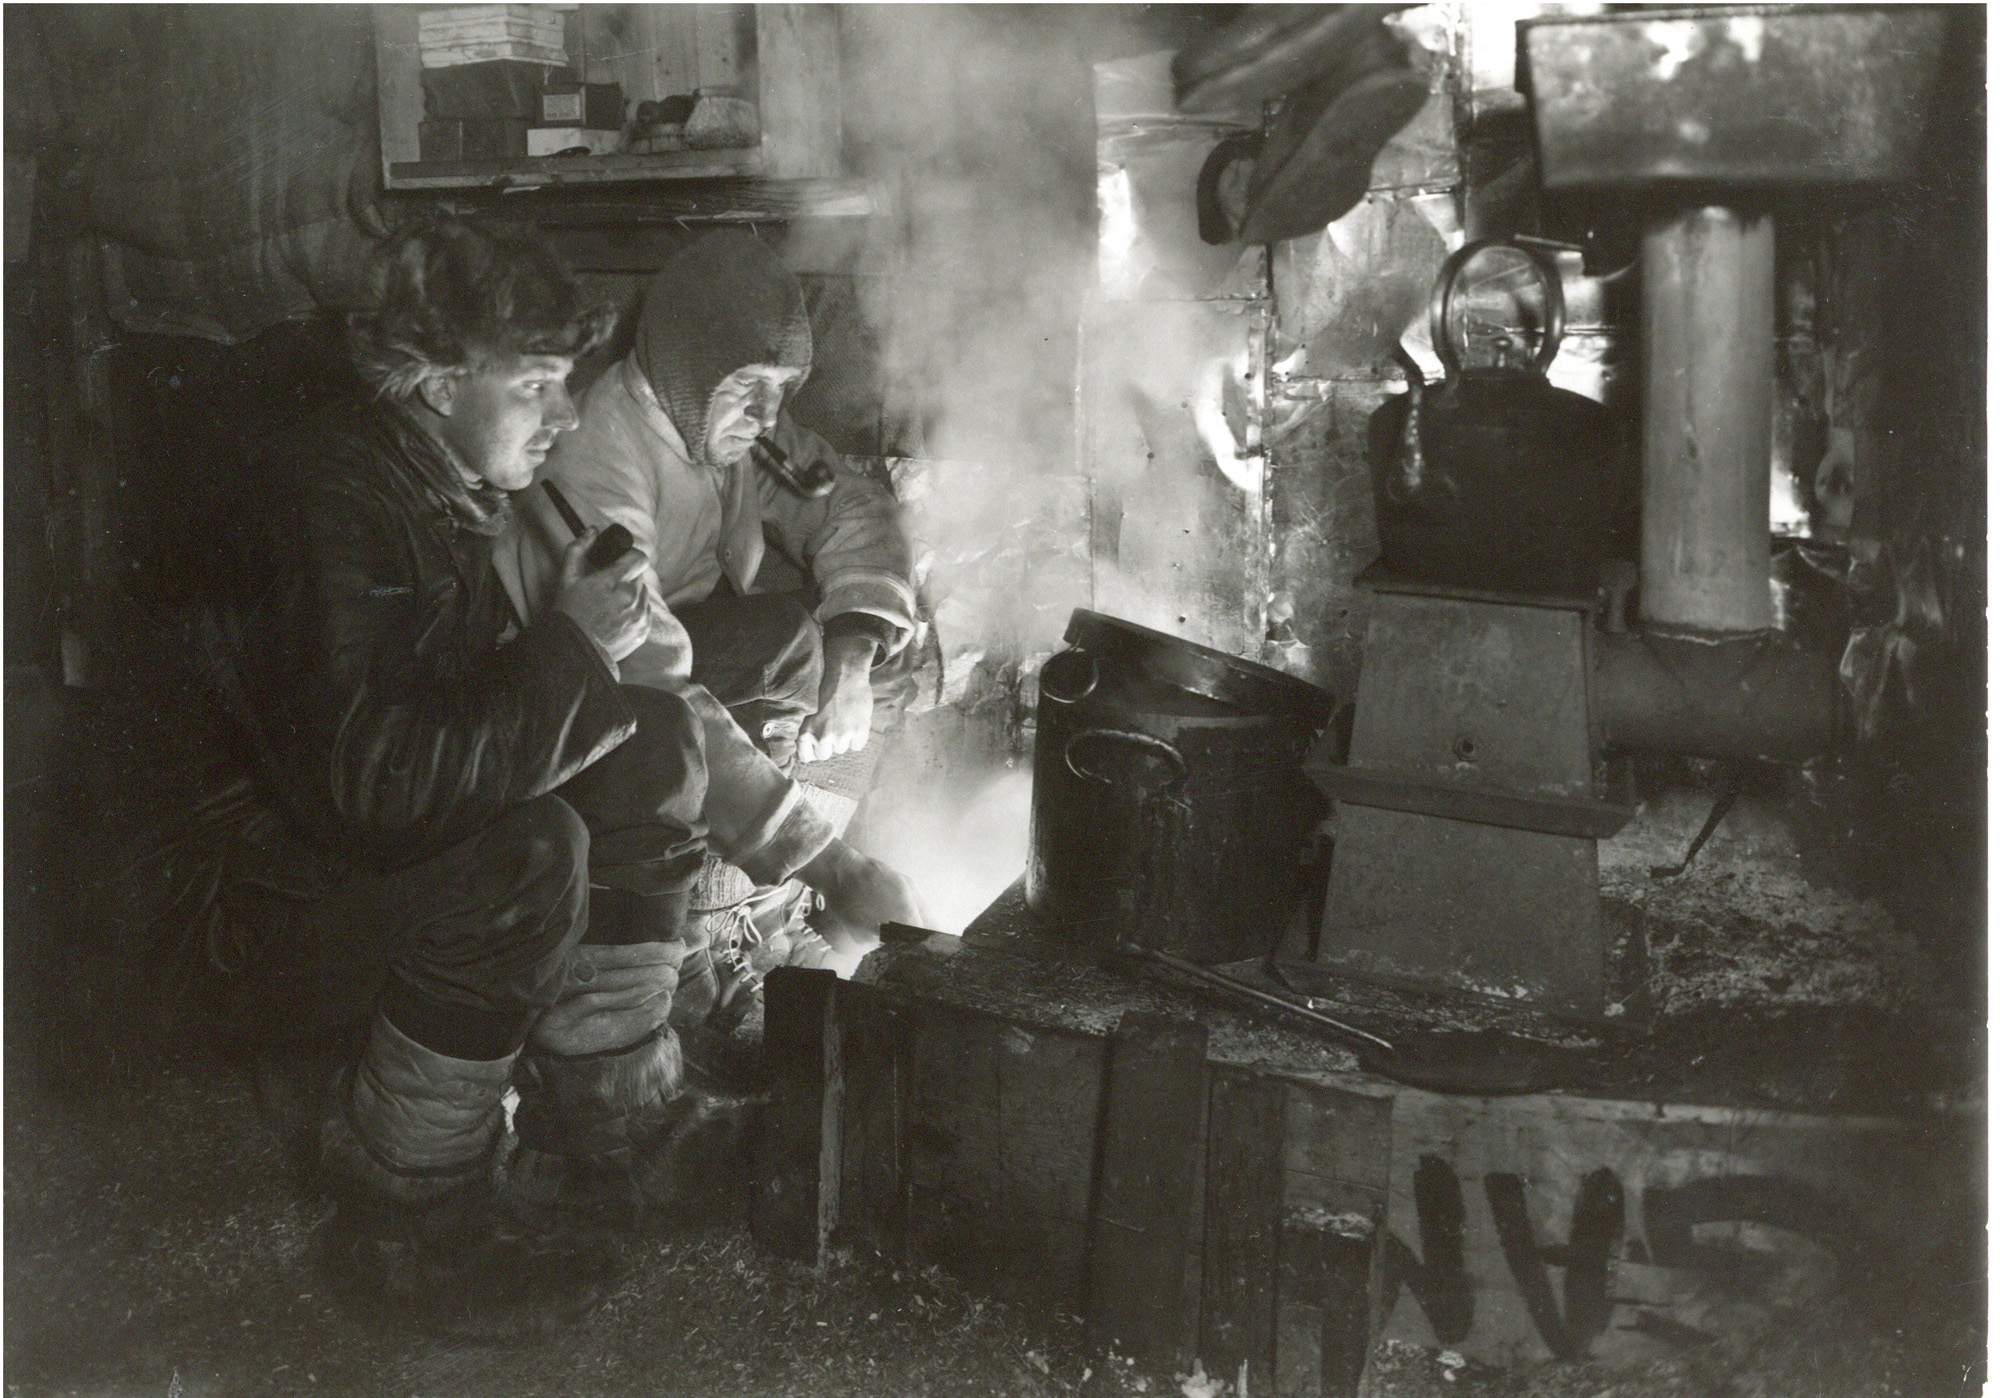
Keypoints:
pixel 464 951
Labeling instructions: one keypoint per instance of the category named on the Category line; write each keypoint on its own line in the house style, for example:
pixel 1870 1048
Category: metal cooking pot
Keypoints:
pixel 1169 806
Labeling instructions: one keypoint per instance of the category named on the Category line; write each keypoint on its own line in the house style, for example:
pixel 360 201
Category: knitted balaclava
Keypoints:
pixel 722 303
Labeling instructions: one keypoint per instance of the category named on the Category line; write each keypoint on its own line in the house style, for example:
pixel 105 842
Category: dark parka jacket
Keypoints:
pixel 390 705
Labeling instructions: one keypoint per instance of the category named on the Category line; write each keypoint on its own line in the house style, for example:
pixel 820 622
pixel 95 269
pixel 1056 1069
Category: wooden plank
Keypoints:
pixel 527 171
pixel 953 1099
pixel 875 1047
pixel 1150 1155
pixel 1338 1146
pixel 1336 1137
pixel 722 42
pixel 1245 1192
pixel 1558 1166
pixel 622 219
pixel 1325 1310
pixel 797 1159
pixel 1050 1089
pixel 798 89
pixel 398 83
pixel 952 1153
pixel 1001 1130
pixel 665 35
pixel 833 1086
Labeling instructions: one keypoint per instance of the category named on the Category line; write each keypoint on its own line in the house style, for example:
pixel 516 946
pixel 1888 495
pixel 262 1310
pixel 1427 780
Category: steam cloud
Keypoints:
pixel 978 125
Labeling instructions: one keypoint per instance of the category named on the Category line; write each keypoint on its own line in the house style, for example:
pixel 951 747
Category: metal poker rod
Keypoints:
pixel 1236 987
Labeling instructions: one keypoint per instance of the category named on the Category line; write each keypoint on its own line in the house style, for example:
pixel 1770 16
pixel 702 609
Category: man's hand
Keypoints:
pixel 846 703
pixel 609 604
pixel 861 894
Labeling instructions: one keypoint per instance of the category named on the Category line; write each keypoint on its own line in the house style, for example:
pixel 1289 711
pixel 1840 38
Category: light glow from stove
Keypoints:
pixel 961 848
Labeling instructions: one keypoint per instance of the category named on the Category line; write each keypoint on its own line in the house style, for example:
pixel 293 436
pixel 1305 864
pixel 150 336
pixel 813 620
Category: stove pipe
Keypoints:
pixel 1708 322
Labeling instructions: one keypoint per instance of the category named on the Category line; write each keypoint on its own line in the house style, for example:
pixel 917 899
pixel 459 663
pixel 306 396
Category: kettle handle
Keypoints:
pixel 1155 745
pixel 1445 289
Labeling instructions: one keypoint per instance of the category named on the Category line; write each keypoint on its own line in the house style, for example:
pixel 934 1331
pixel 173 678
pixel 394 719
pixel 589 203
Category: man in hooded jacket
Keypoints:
pixel 664 449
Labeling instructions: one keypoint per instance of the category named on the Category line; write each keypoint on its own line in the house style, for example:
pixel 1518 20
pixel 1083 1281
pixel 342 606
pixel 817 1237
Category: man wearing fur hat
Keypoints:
pixel 669 447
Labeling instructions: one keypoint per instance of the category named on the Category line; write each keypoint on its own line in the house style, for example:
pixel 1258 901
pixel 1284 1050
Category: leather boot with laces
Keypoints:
pixel 618 1140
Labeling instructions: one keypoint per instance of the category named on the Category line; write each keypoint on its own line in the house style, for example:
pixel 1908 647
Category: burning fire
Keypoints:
pixel 961 850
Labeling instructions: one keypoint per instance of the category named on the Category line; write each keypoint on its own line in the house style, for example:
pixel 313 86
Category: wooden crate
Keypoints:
pixel 1195 1182
pixel 1092 1146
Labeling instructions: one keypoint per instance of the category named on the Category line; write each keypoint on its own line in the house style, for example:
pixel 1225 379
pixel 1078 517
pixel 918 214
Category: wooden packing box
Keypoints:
pixel 457 54
pixel 1088 1147
pixel 527 27
pixel 522 22
pixel 477 91
pixel 1197 1181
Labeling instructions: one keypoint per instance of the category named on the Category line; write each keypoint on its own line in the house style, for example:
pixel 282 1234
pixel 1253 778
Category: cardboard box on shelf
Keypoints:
pixel 498 138
pixel 476 91
pixel 600 106
pixel 456 54
pixel 563 107
pixel 462 34
pixel 440 139
pixel 549 33
pixel 485 21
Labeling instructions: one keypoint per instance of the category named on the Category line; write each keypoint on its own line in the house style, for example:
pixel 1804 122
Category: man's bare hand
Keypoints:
pixel 861 894
pixel 609 604
pixel 846 702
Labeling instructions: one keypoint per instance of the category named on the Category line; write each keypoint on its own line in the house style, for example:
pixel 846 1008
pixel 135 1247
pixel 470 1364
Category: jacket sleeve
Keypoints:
pixel 423 737
pixel 757 818
pixel 852 541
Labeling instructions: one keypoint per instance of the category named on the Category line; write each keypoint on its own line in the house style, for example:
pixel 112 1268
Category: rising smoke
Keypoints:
pixel 976 124
pixel 1080 408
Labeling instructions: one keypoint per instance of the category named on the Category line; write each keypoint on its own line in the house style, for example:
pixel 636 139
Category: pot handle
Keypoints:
pixel 1058 696
pixel 1446 287
pixel 1140 740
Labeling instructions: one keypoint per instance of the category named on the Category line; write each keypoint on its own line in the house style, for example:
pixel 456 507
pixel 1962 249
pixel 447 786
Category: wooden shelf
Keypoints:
pixel 603 205
pixel 785 58
pixel 575 169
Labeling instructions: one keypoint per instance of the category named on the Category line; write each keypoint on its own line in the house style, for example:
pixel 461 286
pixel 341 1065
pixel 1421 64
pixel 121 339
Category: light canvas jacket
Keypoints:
pixel 697 525
pixel 626 463
pixel 757 817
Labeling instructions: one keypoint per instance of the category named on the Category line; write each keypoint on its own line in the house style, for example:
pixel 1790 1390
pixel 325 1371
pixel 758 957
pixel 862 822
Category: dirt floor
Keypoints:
pixel 155 1245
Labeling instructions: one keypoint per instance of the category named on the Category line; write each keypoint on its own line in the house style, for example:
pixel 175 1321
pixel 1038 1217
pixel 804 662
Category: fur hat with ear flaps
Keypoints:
pixel 723 302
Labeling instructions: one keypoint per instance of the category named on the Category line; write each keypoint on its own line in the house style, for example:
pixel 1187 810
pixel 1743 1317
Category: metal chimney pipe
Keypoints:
pixel 1707 318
